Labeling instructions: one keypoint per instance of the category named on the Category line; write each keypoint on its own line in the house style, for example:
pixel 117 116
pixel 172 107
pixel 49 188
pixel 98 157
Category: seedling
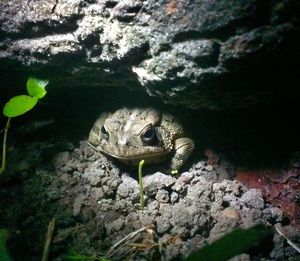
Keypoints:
pixel 141 163
pixel 19 105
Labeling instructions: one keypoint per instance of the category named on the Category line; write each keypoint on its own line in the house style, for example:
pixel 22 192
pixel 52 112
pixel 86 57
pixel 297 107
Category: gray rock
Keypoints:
pixel 115 225
pixel 186 177
pixel 78 204
pixel 179 187
pixel 153 183
pixel 196 54
pixel 174 197
pixel 253 199
pixel 162 224
pixel 162 196
pixel 129 188
pixel 209 168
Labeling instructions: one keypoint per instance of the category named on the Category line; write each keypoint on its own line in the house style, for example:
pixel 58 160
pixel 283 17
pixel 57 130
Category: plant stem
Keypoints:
pixel 2 169
pixel 141 184
pixel 49 236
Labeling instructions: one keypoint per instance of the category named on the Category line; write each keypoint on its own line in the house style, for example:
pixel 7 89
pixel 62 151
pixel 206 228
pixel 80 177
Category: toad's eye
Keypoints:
pixel 104 132
pixel 149 136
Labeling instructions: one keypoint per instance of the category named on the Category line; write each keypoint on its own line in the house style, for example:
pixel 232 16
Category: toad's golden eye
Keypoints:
pixel 149 136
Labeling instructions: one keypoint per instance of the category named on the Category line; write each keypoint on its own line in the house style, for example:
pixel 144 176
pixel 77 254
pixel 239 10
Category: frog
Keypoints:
pixel 134 134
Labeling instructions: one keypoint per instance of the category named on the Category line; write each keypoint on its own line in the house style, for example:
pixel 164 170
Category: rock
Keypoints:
pixel 93 175
pixel 174 197
pixel 129 188
pixel 212 56
pixel 179 187
pixel 153 206
pixel 186 177
pixel 153 183
pixel 162 225
pixel 253 198
pixel 242 257
pixel 162 196
pixel 209 168
pixel 115 225
pixel 78 204
pixel 230 213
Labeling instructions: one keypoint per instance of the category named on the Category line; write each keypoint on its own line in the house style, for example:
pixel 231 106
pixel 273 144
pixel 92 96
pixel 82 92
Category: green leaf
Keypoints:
pixel 232 244
pixel 18 105
pixel 36 87
pixel 4 254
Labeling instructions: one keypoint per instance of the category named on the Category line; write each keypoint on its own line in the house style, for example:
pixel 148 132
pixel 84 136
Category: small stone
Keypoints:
pixel 114 183
pixel 186 177
pixel 129 188
pixel 153 183
pixel 97 193
pixel 162 196
pixel 174 197
pixel 230 213
pixel 178 187
pixel 199 165
pixel 78 203
pixel 104 180
pixel 120 205
pixel 115 225
pixel 242 257
pixel 106 189
pixel 209 168
pixel 253 199
pixel 152 206
pixel 162 224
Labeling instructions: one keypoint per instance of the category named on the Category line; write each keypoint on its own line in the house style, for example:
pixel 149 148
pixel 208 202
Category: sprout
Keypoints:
pixel 21 104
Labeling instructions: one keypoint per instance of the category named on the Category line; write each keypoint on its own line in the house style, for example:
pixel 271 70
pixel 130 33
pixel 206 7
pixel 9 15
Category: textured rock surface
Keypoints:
pixel 211 54
pixel 96 204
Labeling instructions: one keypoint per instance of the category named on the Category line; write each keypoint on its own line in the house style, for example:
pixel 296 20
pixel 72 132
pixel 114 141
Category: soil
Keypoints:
pixel 95 202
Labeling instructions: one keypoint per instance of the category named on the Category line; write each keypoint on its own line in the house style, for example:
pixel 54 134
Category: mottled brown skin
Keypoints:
pixel 131 135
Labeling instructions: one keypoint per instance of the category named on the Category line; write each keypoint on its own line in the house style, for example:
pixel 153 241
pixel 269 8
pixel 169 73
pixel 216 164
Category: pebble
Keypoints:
pixel 174 197
pixel 162 196
pixel 209 168
pixel 186 177
pixel 178 187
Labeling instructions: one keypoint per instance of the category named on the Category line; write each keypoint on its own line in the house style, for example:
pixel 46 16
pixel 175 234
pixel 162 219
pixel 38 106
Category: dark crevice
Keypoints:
pixel 111 4
pixel 44 28
pixel 135 57
pixel 187 35
pixel 259 17
pixel 209 60
pixel 91 40
pixel 134 9
pixel 92 44
pixel 173 72
pixel 126 18
pixel 54 7
pixel 128 13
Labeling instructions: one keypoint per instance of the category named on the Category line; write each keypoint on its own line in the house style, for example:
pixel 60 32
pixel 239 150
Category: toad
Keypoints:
pixel 132 135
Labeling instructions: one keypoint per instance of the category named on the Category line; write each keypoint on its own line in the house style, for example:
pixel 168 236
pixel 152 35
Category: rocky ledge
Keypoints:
pixel 201 54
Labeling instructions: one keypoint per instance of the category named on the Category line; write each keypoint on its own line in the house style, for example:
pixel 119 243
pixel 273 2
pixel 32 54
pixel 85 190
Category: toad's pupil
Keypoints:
pixel 104 132
pixel 148 135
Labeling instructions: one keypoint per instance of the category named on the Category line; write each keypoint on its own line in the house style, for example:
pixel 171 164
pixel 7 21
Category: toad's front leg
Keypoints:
pixel 183 147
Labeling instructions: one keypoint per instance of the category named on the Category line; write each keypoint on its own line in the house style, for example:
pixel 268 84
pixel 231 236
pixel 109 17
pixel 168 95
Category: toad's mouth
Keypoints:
pixel 132 153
